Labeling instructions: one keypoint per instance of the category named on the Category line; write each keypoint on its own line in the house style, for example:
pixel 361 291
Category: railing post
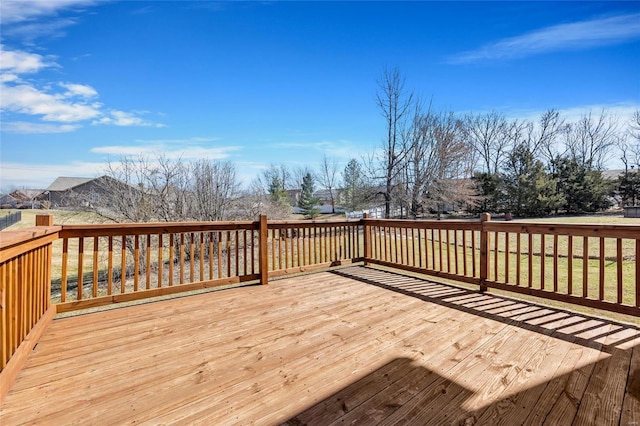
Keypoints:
pixel 47 220
pixel 366 240
pixel 484 251
pixel 44 220
pixel 263 251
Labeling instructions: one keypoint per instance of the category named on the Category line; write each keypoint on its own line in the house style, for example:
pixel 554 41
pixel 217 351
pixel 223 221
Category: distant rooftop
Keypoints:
pixel 64 183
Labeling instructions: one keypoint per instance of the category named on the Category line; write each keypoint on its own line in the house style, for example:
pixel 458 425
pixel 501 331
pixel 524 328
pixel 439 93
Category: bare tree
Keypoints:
pixel 629 143
pixel 487 134
pixel 167 190
pixel 215 187
pixel 256 201
pixel 439 162
pixel 394 102
pixel 328 178
pixel 591 140
pixel 544 139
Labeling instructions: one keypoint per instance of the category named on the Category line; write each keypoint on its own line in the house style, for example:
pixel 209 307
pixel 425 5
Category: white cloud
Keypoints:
pixel 79 90
pixel 623 112
pixel 341 149
pixel 577 35
pixel 185 141
pixel 172 150
pixel 7 78
pixel 72 105
pixel 121 118
pixel 29 32
pixel 26 99
pixel 15 11
pixel 19 62
pixel 33 128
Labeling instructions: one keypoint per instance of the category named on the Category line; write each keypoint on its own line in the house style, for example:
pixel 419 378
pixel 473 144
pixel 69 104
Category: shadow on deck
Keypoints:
pixel 353 346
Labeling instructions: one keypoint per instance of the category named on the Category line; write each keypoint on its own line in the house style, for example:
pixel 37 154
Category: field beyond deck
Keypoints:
pixel 353 346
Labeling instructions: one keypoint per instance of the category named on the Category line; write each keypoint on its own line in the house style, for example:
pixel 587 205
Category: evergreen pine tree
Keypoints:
pixel 307 201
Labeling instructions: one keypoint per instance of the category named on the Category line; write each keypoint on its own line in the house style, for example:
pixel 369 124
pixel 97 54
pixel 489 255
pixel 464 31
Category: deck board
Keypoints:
pixel 354 346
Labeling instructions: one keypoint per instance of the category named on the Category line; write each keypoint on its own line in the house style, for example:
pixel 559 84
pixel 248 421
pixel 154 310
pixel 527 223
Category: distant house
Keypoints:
pixel 23 199
pixel 8 201
pixel 324 195
pixel 76 191
pixel 293 195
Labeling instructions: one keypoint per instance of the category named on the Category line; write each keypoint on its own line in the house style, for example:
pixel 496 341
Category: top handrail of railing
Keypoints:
pixel 12 238
pixel 460 224
pixel 68 231
pixel 582 229
pixel 313 223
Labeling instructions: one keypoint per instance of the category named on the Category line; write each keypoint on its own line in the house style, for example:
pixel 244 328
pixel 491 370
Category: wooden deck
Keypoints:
pixel 354 346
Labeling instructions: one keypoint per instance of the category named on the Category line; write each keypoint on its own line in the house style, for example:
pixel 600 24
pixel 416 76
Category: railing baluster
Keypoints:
pixel 507 255
pixel 440 249
pixel 244 253
pixel 80 268
pixel 136 262
pixel 110 266
pixel 147 260
pixel 182 266
pixel 63 277
pixel 211 256
pixel 286 249
pixel 228 253
pixel 555 263
pixel 570 264
pixel 171 257
pixel 543 259
pixel 601 270
pixel 123 265
pixel 495 255
pixel 192 257
pixel 585 266
pixel 464 252
pixel 160 261
pixel 530 270
pixel 94 289
pixel 474 259
pixel 455 248
pixel 201 257
pixel 619 269
pixel 518 257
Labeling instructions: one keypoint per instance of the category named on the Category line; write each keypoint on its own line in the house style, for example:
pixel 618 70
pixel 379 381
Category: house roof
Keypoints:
pixel 26 194
pixel 64 183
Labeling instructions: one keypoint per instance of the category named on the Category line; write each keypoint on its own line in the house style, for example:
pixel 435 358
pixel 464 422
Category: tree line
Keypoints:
pixel 429 161
pixel 487 162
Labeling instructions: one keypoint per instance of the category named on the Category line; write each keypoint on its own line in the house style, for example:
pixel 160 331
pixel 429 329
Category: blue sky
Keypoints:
pixel 259 83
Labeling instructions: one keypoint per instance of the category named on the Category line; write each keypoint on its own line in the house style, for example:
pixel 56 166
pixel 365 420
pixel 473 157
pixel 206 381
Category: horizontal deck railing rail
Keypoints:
pixel 81 266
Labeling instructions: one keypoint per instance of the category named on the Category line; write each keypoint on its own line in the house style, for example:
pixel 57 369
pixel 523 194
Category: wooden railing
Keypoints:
pixel 25 301
pixel 104 264
pixel 589 265
pixel 304 246
pixel 446 249
pixel 81 266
